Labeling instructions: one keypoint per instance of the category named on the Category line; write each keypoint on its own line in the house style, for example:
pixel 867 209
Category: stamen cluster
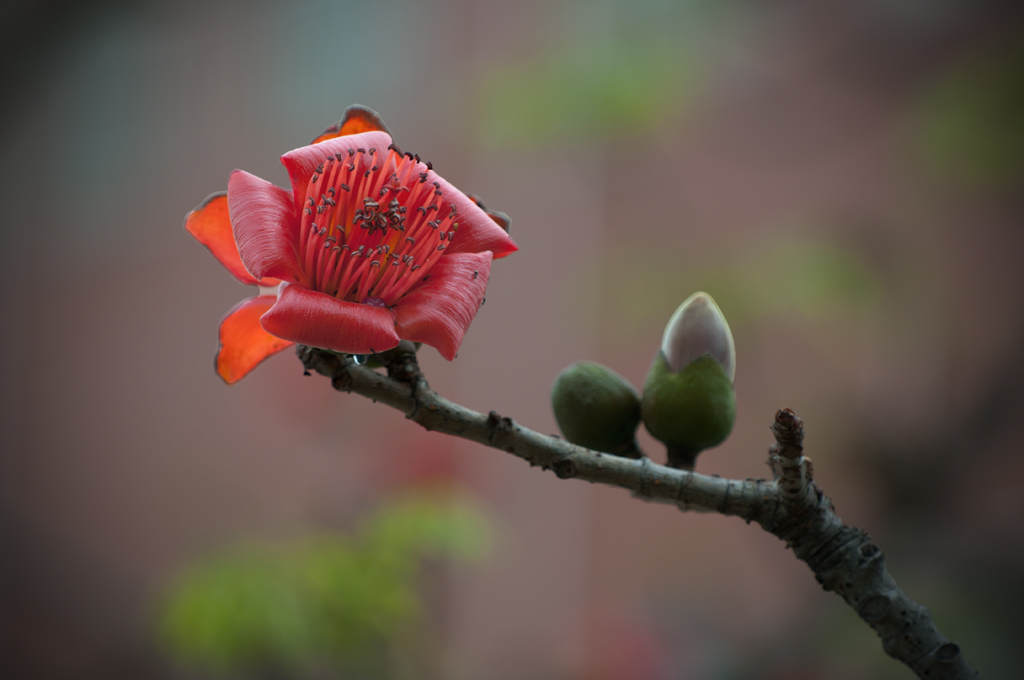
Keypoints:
pixel 372 227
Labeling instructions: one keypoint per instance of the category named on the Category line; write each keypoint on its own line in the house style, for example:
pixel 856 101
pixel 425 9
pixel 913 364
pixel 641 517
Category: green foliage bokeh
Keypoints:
pixel 324 599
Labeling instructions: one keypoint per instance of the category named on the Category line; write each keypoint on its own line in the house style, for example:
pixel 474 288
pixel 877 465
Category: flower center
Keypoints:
pixel 372 225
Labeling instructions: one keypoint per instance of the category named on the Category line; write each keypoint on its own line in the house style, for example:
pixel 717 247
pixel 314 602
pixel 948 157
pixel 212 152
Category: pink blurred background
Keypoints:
pixel 793 159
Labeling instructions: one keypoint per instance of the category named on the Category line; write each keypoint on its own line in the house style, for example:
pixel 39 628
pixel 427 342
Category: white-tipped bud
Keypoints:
pixel 698 327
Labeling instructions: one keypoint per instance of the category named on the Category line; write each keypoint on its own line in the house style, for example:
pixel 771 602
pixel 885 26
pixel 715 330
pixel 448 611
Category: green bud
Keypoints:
pixel 597 408
pixel 689 403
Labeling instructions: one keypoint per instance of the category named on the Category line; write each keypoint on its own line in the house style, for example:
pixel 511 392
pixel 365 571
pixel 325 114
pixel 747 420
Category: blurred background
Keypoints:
pixel 845 178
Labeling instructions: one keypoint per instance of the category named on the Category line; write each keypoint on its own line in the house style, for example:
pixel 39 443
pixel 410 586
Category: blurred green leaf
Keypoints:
pixel 816 279
pixel 324 599
pixel 972 120
pixel 587 93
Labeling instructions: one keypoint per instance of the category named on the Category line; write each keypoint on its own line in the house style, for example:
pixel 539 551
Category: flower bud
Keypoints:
pixel 689 402
pixel 597 408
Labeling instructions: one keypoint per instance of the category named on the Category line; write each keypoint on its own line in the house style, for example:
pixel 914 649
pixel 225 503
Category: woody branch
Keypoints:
pixel 790 506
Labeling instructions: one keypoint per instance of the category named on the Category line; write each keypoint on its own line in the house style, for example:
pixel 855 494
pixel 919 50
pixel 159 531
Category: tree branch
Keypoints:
pixel 791 506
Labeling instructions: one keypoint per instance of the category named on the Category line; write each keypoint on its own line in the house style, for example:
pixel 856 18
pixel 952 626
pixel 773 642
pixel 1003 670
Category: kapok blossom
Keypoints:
pixel 370 247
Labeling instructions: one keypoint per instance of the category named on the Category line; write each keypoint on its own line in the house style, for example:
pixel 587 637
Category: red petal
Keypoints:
pixel 439 311
pixel 477 231
pixel 356 119
pixel 210 225
pixel 303 161
pixel 266 227
pixel 243 342
pixel 320 320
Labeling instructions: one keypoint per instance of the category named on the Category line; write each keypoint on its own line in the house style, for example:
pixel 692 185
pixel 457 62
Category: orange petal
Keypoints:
pixel 243 342
pixel 356 119
pixel 210 225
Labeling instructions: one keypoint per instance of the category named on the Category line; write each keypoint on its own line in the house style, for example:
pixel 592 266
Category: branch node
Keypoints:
pixel 875 608
pixel 789 433
pixel 342 382
pixel 564 468
pixel 948 652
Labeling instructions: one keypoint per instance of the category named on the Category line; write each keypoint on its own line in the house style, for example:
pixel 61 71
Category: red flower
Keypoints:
pixel 370 247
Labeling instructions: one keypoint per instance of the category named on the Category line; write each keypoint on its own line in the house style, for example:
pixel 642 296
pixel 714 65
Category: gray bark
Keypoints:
pixel 790 506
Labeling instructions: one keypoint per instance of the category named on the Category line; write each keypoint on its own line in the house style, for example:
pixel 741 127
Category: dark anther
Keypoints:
pixel 440 247
pixel 947 652
pixel 337 156
pixel 330 192
pixel 320 168
pixel 453 211
pixel 308 211
pixel 410 239
pixel 423 177
pixel 426 277
pixel 430 166
pixel 394 147
pixel 408 155
pixel 482 301
pixel 311 201
pixel 374 169
pixel 416 157
pixel 564 468
pixel 361 150
pixel 417 266
pixel 476 273
pixel 366 174
pixel 351 152
pixel 344 186
pixel 373 151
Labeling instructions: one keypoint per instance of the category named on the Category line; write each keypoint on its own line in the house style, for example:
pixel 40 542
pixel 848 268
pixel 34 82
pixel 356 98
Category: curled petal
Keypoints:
pixel 303 161
pixel 439 310
pixel 357 119
pixel 243 342
pixel 500 218
pixel 478 232
pixel 265 226
pixel 210 225
pixel 319 320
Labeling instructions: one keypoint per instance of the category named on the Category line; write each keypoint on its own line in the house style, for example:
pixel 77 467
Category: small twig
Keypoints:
pixel 791 507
